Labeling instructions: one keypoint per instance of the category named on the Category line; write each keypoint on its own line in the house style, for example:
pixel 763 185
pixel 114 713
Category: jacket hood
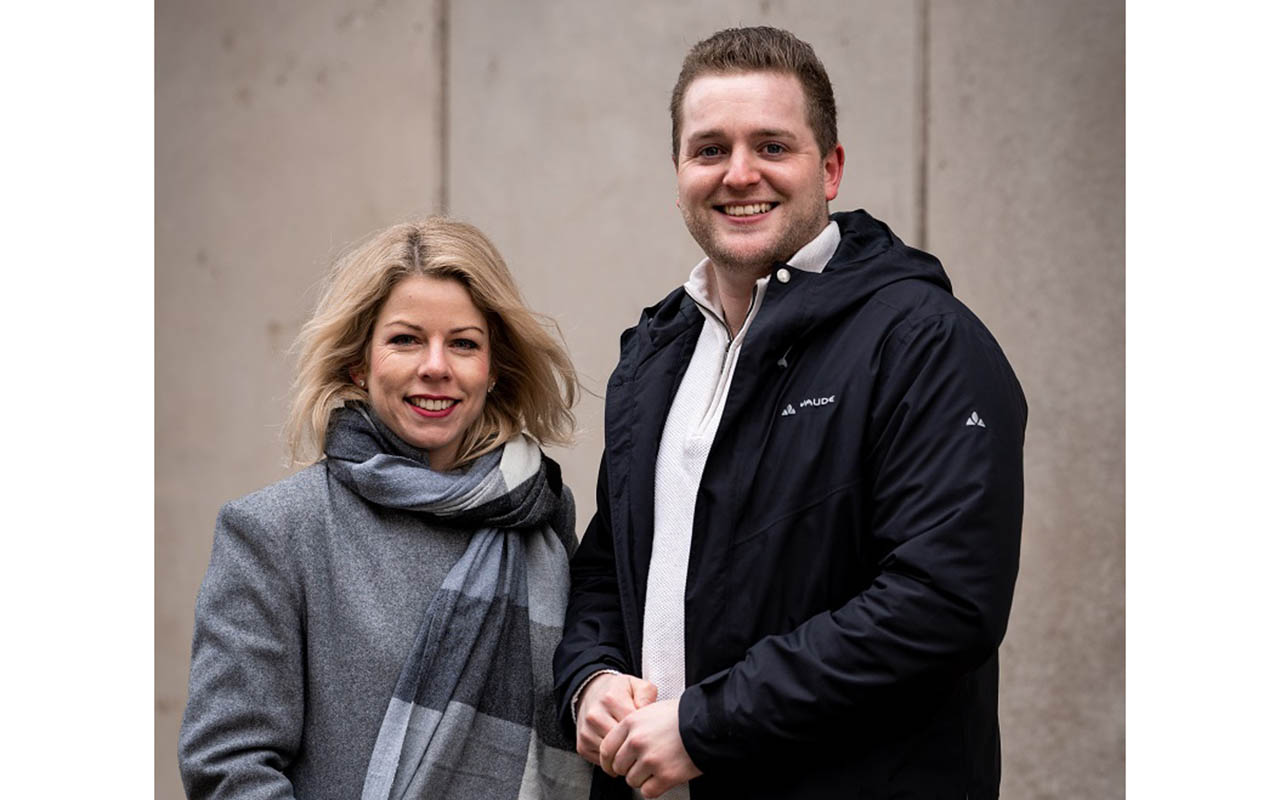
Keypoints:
pixel 869 257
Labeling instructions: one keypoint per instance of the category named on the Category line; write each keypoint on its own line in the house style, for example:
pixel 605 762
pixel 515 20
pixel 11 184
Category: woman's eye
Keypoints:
pixel 402 338
pixel 466 344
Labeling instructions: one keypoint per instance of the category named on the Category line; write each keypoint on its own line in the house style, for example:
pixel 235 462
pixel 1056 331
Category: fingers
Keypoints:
pixel 606 702
pixel 593 725
pixel 626 694
pixel 643 692
pixel 646 747
pixel 626 759
pixel 588 742
pixel 646 776
pixel 618 693
pixel 637 776
pixel 618 702
pixel 596 686
pixel 638 769
pixel 654 787
pixel 609 747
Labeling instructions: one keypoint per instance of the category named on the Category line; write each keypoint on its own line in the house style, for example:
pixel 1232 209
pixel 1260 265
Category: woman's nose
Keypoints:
pixel 434 363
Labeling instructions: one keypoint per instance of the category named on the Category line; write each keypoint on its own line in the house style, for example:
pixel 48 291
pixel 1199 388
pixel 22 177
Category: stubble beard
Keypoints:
pixel 756 265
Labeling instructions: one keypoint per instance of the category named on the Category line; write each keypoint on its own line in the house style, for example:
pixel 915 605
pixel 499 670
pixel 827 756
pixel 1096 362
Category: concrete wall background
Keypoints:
pixel 989 131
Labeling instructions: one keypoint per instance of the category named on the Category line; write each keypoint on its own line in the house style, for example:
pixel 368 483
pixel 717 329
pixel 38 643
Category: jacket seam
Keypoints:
pixel 797 511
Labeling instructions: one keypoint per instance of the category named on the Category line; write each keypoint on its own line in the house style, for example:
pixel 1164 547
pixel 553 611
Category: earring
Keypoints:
pixel 361 382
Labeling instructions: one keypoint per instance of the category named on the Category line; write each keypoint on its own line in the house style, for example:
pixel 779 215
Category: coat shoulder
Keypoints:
pixel 919 306
pixel 294 499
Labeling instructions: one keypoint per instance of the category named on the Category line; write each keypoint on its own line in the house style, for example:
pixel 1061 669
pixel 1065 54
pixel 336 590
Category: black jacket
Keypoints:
pixel 855 536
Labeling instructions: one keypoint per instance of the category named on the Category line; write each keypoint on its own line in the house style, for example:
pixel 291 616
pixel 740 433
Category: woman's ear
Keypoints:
pixel 357 376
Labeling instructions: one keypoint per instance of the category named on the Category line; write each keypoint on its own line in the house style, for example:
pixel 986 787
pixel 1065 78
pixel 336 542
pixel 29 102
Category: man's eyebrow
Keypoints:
pixel 762 133
pixel 713 133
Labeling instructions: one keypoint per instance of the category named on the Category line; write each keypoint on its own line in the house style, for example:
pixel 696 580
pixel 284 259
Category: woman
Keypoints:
pixel 381 623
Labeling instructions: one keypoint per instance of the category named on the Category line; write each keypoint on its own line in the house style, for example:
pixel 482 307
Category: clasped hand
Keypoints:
pixel 624 729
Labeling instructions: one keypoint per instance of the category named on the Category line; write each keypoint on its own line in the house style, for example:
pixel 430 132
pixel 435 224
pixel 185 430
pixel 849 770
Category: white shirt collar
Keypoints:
pixel 813 257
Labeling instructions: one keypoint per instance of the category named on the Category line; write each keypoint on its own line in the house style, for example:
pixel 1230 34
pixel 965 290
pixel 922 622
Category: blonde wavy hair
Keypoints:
pixel 536 383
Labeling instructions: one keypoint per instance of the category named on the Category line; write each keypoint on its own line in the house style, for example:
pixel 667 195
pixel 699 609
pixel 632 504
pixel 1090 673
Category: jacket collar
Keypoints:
pixel 868 257
pixel 701 285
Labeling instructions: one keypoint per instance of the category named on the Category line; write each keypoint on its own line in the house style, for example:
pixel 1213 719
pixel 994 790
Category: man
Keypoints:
pixel 810 500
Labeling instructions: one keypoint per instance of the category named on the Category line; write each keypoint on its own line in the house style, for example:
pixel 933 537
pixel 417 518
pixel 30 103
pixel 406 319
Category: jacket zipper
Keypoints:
pixel 719 397
pixel 755 291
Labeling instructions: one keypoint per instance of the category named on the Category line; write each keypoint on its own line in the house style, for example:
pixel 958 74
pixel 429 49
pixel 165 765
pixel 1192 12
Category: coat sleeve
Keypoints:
pixel 594 636
pixel 243 720
pixel 943 466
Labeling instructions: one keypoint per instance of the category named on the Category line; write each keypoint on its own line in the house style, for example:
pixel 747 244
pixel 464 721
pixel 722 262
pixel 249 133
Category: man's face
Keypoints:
pixel 753 186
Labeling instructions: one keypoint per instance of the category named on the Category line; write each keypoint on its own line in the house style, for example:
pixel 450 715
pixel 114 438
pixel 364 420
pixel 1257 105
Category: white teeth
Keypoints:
pixel 746 211
pixel 431 405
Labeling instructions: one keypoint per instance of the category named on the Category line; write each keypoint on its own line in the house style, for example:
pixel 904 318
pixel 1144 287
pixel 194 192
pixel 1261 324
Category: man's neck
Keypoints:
pixel 734 288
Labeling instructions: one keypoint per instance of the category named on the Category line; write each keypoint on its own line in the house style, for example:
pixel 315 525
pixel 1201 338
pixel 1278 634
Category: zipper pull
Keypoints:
pixel 782 362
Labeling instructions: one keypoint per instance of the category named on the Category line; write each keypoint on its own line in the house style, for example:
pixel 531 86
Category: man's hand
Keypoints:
pixel 647 748
pixel 606 701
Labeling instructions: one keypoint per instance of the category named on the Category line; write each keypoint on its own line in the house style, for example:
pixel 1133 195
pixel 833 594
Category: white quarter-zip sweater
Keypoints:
pixel 682 454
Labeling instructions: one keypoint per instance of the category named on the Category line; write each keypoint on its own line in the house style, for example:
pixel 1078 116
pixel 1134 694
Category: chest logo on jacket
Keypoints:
pixel 809 402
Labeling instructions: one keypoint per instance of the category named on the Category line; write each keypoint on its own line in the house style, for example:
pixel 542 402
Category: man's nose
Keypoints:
pixel 742 170
pixel 434 364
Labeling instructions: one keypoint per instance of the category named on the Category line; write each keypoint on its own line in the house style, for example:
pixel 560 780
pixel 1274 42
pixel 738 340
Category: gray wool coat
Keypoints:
pixel 306 615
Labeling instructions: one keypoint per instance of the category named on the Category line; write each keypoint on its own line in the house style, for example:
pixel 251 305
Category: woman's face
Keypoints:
pixel 427 365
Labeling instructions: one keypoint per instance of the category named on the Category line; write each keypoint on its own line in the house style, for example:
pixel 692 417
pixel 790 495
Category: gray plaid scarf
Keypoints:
pixel 472 714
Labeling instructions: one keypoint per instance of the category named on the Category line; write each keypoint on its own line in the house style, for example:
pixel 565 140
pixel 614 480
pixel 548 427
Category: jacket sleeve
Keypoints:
pixel 594 636
pixel 943 466
pixel 243 721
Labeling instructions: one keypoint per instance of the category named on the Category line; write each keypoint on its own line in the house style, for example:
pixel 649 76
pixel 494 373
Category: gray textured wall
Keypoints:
pixel 990 131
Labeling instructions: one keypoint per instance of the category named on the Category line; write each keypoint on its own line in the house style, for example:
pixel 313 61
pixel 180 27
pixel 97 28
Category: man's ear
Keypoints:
pixel 833 171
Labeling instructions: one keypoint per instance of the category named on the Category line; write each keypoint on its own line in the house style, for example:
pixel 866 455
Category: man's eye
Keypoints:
pixel 710 151
pixel 774 149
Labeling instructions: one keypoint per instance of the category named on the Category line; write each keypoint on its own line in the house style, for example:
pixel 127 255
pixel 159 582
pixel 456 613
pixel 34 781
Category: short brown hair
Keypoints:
pixel 761 49
pixel 536 385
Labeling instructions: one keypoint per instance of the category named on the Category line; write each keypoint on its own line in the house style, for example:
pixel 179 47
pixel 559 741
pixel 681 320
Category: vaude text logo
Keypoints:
pixel 808 403
pixel 818 401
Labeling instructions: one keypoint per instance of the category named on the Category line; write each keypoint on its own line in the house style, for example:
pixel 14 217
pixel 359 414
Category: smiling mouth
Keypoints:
pixel 746 210
pixel 432 404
